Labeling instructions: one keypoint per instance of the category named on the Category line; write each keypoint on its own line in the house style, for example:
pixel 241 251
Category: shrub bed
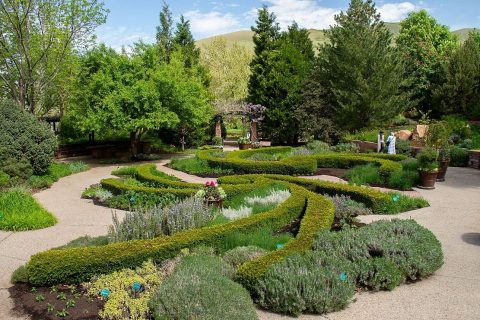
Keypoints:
pixel 379 256
pixel 201 288
pixel 239 161
pixel 75 265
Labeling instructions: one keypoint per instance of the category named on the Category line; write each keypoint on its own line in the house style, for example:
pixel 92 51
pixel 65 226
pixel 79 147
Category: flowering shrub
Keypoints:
pixel 211 192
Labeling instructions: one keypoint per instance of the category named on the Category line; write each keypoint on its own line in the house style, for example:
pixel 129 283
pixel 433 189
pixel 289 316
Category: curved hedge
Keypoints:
pixel 319 214
pixel 299 165
pixel 75 265
pixel 372 198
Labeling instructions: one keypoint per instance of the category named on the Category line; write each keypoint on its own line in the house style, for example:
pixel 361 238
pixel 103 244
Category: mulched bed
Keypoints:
pixel 25 302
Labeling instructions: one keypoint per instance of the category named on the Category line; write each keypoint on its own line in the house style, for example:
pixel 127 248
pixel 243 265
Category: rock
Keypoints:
pixel 404 134
pixel 420 131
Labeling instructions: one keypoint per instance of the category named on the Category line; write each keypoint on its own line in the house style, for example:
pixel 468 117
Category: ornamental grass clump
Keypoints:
pixel 186 214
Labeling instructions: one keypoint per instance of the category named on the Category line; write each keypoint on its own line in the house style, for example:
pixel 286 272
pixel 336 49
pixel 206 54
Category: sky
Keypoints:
pixel 133 20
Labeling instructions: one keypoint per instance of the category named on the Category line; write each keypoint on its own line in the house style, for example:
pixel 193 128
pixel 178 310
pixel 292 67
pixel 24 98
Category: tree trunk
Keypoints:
pixel 134 142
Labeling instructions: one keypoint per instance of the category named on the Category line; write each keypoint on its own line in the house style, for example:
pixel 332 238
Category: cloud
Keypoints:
pixel 394 12
pixel 307 13
pixel 117 37
pixel 211 23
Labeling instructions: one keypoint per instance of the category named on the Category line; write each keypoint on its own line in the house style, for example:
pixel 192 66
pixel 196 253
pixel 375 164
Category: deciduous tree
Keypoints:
pixel 37 39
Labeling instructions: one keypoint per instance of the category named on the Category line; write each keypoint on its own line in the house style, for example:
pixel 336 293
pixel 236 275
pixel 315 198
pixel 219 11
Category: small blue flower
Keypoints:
pixel 280 246
pixel 105 293
pixel 137 286
pixel 343 276
pixel 132 199
pixel 396 198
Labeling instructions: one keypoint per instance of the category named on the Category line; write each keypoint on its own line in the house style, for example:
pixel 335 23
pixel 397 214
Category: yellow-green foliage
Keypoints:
pixel 74 265
pixel 298 165
pixel 145 173
pixel 123 303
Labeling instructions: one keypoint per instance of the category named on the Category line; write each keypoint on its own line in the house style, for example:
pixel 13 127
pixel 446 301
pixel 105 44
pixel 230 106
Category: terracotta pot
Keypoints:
pixel 217 203
pixel 427 179
pixel 244 146
pixel 442 170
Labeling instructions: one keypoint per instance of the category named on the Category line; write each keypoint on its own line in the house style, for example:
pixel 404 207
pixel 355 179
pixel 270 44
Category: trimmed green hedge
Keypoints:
pixel 145 174
pixel 116 186
pixel 75 265
pixel 319 215
pixel 299 165
pixel 374 199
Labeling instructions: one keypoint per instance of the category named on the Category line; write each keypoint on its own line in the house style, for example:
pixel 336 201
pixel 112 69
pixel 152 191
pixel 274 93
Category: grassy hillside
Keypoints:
pixel 244 37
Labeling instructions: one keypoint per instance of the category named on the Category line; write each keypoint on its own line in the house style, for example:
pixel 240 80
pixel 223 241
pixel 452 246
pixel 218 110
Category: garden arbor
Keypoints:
pixel 249 113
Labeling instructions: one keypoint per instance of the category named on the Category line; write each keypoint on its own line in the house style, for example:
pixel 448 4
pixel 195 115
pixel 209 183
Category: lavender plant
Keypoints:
pixel 147 224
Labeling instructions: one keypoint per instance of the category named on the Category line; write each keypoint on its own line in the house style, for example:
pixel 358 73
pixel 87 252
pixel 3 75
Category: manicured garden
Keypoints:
pixel 268 230
pixel 255 225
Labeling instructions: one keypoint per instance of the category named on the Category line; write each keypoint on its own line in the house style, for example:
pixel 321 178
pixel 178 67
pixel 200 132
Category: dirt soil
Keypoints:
pixel 25 301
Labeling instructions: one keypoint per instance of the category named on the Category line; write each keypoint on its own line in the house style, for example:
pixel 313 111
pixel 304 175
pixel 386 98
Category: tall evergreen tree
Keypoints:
pixel 165 33
pixel 357 81
pixel 266 32
pixel 183 40
pixel 461 91
pixel 425 46
pixel 287 68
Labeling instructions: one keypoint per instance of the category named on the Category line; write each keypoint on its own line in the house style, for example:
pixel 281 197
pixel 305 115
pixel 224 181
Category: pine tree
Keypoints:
pixel 183 39
pixel 358 78
pixel 288 67
pixel 164 33
pixel 266 32
pixel 461 92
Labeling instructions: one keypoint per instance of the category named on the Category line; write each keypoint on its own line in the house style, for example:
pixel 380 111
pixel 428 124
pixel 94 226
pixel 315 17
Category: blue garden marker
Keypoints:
pixel 105 293
pixel 137 286
pixel 343 276
pixel 280 246
pixel 396 198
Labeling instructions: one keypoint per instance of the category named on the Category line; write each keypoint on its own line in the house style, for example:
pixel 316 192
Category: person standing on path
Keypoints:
pixel 381 142
pixel 391 140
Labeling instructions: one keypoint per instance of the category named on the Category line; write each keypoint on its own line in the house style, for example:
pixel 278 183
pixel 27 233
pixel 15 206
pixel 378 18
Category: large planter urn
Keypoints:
pixel 442 169
pixel 427 179
pixel 244 146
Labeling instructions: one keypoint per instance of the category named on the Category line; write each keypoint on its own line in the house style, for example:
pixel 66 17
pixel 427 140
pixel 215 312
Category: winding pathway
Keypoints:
pixel 454 217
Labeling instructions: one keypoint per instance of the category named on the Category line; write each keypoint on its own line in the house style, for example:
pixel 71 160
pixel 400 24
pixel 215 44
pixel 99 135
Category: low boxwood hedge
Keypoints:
pixel 319 214
pixel 145 173
pixel 374 199
pixel 75 265
pixel 299 165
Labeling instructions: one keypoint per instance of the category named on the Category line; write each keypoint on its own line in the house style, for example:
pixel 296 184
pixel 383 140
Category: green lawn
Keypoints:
pixel 19 211
pixel 56 171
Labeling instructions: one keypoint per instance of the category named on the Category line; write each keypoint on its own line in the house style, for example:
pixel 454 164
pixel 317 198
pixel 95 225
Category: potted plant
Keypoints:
pixel 443 162
pixel 244 143
pixel 427 168
pixel 212 194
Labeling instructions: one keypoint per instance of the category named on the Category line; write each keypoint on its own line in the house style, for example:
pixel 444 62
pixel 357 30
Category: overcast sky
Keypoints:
pixel 133 20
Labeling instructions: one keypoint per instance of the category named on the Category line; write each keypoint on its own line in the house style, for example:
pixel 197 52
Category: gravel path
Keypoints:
pixel 453 293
